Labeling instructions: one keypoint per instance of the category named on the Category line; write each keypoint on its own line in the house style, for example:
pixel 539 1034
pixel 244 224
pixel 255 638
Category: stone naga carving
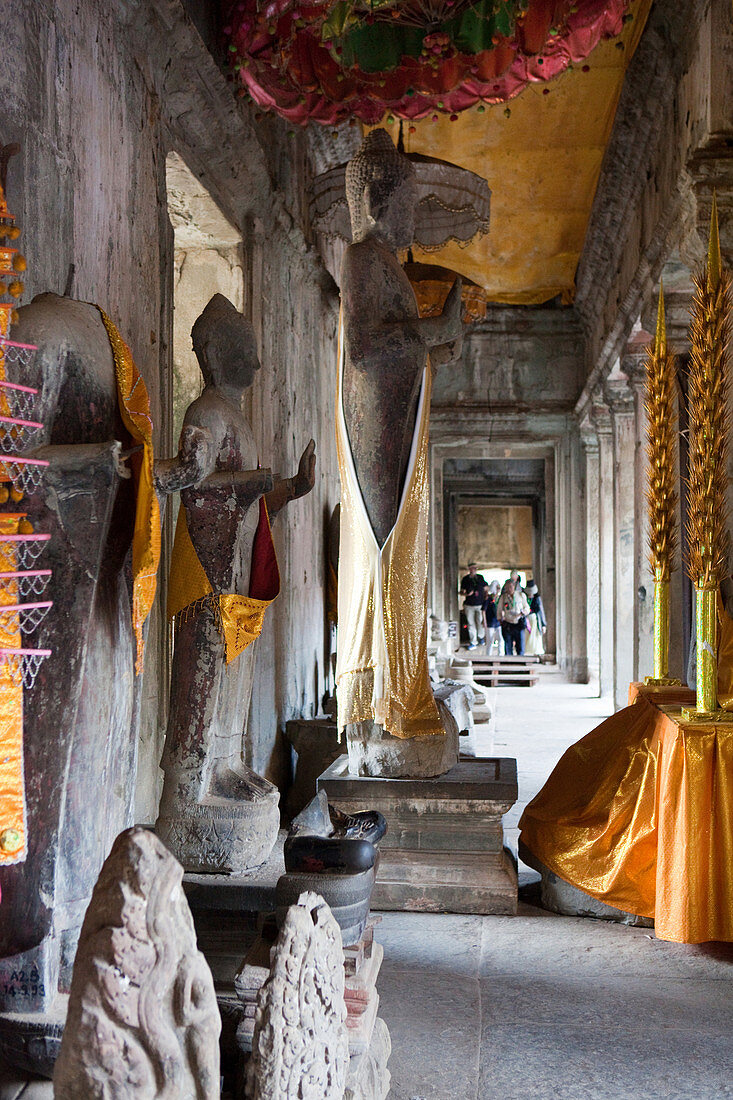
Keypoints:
pixel 384 699
pixel 143 1022
pixel 300 1049
pixel 215 813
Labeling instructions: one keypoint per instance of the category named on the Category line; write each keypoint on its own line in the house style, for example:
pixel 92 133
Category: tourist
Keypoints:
pixel 536 621
pixel 492 626
pixel 475 590
pixel 513 611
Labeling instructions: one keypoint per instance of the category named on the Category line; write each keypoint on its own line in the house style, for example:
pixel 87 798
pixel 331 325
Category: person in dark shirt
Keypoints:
pixel 475 589
pixel 492 626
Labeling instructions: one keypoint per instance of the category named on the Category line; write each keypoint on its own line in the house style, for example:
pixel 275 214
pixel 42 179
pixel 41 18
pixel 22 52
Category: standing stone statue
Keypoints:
pixel 300 1048
pixel 143 1022
pixel 215 813
pixel 82 717
pixel 394 726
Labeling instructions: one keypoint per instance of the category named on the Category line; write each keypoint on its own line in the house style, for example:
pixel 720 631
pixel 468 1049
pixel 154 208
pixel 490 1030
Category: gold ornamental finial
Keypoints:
pixel 714 264
pixel 660 342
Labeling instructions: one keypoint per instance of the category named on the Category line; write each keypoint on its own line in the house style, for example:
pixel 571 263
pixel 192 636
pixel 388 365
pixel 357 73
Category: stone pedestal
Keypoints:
pixel 317 743
pixel 444 848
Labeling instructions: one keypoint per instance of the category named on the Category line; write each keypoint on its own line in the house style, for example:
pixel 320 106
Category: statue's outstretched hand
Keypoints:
pixel 190 466
pixel 305 478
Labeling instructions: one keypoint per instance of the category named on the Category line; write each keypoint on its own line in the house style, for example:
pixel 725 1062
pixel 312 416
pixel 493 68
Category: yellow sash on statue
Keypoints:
pixel 382 655
pixel 134 405
pixel 240 617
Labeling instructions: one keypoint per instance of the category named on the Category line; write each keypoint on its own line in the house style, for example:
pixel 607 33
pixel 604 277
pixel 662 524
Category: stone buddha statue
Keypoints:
pixel 385 702
pixel 215 813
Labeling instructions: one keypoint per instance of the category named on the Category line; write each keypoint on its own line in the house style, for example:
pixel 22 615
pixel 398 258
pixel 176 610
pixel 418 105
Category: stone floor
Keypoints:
pixel 541 1007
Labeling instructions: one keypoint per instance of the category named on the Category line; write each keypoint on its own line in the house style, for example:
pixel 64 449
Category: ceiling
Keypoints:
pixel 542 164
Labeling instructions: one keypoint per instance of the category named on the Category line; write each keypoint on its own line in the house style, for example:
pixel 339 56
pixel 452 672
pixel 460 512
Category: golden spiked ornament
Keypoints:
pixel 707 529
pixel 661 450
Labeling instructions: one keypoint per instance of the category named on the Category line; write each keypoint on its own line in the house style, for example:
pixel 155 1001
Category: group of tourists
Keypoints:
pixel 509 611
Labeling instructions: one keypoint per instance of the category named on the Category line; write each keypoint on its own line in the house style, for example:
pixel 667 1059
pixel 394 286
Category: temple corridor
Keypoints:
pixel 366 489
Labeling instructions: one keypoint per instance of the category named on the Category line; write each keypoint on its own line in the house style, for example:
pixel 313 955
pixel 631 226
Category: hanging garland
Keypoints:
pixel 329 60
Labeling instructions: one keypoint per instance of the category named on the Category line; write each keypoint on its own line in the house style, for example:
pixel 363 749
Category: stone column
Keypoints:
pixel 549 595
pixel 601 421
pixel 577 612
pixel 564 575
pixel 589 440
pixel 633 365
pixel 620 400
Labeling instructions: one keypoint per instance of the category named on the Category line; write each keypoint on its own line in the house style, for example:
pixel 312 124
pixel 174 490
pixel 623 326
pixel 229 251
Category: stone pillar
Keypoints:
pixel 589 440
pixel 601 420
pixel 633 365
pixel 577 612
pixel 563 575
pixel 620 400
pixel 549 595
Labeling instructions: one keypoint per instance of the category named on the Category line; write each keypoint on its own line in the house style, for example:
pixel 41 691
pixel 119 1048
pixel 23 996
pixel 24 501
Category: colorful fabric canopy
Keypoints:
pixel 328 61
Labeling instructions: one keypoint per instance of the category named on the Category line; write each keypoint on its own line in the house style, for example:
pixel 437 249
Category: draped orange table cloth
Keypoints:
pixel 639 813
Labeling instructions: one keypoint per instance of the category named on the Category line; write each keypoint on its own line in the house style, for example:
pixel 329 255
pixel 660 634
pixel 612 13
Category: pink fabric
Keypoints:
pixel 294 74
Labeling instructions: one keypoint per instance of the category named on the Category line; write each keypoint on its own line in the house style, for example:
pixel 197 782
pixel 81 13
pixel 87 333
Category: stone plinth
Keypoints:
pixel 317 743
pixel 444 847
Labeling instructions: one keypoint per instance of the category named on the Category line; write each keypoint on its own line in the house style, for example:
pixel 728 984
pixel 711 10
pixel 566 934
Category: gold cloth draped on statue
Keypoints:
pixel 382 660
pixel 639 813
pixel 132 396
pixel 240 617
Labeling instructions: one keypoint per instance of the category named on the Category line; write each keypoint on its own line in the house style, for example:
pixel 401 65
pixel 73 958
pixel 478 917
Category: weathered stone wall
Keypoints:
pixel 511 396
pixel 98 95
pixel 498 537
pixel 671 145
pixel 520 359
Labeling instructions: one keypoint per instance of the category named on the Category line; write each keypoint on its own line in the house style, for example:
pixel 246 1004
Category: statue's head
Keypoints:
pixel 380 189
pixel 225 345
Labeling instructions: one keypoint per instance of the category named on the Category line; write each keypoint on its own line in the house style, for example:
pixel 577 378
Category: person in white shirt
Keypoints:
pixel 513 611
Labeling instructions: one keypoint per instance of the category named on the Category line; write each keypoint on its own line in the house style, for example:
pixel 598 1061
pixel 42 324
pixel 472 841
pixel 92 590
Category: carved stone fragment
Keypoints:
pixel 143 1021
pixel 300 1049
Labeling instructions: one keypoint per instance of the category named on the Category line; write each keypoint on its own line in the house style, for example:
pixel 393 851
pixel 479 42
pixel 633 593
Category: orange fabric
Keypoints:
pixel 241 617
pixel 135 409
pixel 12 786
pixel 639 813
pixel 668 696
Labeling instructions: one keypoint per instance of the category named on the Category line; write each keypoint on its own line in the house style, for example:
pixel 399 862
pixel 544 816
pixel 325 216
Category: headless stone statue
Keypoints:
pixel 143 1022
pixel 393 725
pixel 82 717
pixel 215 813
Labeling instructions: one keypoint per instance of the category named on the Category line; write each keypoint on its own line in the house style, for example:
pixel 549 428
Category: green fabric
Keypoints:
pixel 380 46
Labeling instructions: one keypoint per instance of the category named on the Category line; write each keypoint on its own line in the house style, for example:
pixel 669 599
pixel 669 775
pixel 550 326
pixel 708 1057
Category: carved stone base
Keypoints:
pixel 369 1078
pixel 444 846
pixel 559 896
pixel 374 752
pixel 31 1042
pixel 347 896
pixel 223 835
